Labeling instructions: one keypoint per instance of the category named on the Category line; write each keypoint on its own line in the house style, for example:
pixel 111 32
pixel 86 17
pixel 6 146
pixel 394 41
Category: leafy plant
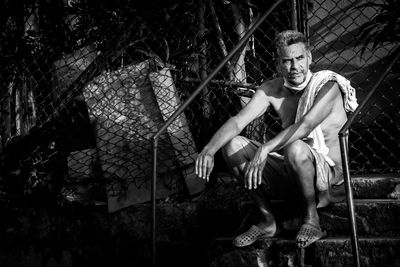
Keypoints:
pixel 384 27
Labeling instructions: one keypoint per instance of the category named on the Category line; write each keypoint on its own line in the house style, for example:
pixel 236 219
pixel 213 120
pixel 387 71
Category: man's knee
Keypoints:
pixel 232 148
pixel 237 151
pixel 298 152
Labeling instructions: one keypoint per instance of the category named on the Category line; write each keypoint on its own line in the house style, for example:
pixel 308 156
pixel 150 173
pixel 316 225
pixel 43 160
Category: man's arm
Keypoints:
pixel 231 128
pixel 321 109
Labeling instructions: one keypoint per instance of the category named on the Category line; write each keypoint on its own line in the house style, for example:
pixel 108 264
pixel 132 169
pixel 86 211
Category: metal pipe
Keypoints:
pixel 350 202
pixel 305 18
pixel 223 83
pixel 343 139
pixel 294 16
pixel 153 206
pixel 240 44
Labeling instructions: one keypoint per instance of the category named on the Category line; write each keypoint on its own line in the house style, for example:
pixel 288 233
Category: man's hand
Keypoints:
pixel 204 165
pixel 254 170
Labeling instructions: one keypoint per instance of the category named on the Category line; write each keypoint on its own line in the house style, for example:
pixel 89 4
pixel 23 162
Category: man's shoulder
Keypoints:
pixel 323 76
pixel 325 79
pixel 273 86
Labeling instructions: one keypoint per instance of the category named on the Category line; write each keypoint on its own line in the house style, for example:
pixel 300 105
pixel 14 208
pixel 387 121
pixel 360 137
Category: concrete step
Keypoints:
pixel 374 186
pixel 220 211
pixel 225 209
pixel 206 219
pixel 229 215
pixel 374 217
pixel 364 186
pixel 328 252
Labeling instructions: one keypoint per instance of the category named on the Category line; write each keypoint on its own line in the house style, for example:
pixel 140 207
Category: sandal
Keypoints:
pixel 250 236
pixel 308 234
pixel 396 193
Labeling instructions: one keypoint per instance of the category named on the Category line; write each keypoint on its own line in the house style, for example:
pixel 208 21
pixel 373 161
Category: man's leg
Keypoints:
pixel 300 161
pixel 237 153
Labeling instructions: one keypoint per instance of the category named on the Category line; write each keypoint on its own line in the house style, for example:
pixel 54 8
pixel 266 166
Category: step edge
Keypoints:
pixel 326 239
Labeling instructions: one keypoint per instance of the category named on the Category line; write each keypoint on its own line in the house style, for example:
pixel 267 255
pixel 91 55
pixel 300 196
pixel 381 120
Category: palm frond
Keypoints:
pixel 382 28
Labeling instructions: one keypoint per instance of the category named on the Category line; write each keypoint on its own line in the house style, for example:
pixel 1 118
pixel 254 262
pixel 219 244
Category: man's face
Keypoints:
pixel 294 63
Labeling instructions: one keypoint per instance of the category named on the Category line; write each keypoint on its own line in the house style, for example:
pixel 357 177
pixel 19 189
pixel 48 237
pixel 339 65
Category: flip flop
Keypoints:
pixel 250 236
pixel 396 193
pixel 308 234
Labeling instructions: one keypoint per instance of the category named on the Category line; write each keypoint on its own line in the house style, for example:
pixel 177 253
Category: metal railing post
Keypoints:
pixel 304 17
pixel 349 196
pixel 154 206
pixel 294 15
pixel 343 139
pixel 298 15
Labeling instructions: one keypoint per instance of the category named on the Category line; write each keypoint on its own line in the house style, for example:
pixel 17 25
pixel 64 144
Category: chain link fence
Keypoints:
pixel 86 84
pixel 335 29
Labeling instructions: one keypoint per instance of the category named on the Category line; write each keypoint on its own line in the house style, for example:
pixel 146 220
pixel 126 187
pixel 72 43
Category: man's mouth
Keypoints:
pixel 294 75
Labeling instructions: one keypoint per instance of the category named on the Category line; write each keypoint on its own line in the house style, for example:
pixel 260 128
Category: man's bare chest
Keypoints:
pixel 285 106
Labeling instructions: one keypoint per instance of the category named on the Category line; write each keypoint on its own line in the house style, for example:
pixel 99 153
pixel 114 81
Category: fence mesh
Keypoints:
pixel 335 29
pixel 86 84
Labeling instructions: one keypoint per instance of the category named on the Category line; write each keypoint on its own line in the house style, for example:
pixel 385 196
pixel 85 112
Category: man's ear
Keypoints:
pixel 278 69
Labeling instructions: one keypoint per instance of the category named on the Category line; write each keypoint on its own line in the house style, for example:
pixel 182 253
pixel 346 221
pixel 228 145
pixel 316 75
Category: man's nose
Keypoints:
pixel 294 65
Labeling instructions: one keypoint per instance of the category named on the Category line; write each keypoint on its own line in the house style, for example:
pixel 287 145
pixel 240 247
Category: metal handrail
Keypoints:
pixel 239 45
pixel 343 138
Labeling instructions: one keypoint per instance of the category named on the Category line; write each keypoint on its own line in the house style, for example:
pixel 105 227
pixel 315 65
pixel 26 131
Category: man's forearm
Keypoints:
pixel 227 131
pixel 287 136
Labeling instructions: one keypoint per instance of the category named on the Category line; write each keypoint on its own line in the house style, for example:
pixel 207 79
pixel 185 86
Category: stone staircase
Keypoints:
pixel 378 222
pixel 198 232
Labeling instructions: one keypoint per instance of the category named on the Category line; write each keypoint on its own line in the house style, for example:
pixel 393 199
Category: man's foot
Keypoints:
pixel 396 193
pixel 252 235
pixel 308 234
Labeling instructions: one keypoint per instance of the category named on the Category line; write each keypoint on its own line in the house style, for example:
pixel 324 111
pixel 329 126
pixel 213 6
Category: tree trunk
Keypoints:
pixel 220 38
pixel 203 59
pixel 239 68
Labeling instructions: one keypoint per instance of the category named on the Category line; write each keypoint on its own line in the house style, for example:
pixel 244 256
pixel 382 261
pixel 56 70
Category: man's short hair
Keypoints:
pixel 289 37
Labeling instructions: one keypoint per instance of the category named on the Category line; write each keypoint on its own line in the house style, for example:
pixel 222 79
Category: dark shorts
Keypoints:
pixel 277 180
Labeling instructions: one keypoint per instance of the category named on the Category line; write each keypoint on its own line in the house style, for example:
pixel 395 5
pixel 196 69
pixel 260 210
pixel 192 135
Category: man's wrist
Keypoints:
pixel 265 150
pixel 208 151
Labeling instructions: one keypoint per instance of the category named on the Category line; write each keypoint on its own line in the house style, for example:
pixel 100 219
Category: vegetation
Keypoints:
pixel 384 27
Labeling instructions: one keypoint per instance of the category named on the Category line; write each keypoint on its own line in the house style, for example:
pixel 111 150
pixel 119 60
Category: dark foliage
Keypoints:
pixel 384 27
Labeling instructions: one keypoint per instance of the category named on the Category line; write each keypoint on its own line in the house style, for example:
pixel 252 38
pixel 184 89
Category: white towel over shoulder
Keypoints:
pixel 307 100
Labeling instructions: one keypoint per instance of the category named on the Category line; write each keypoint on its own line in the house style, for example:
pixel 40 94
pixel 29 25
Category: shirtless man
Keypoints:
pixel 288 164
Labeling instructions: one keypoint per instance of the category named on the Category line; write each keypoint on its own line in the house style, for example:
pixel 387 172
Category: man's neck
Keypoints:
pixel 299 87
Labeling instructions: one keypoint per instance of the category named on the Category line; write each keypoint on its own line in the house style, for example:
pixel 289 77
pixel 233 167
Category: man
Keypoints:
pixel 304 158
